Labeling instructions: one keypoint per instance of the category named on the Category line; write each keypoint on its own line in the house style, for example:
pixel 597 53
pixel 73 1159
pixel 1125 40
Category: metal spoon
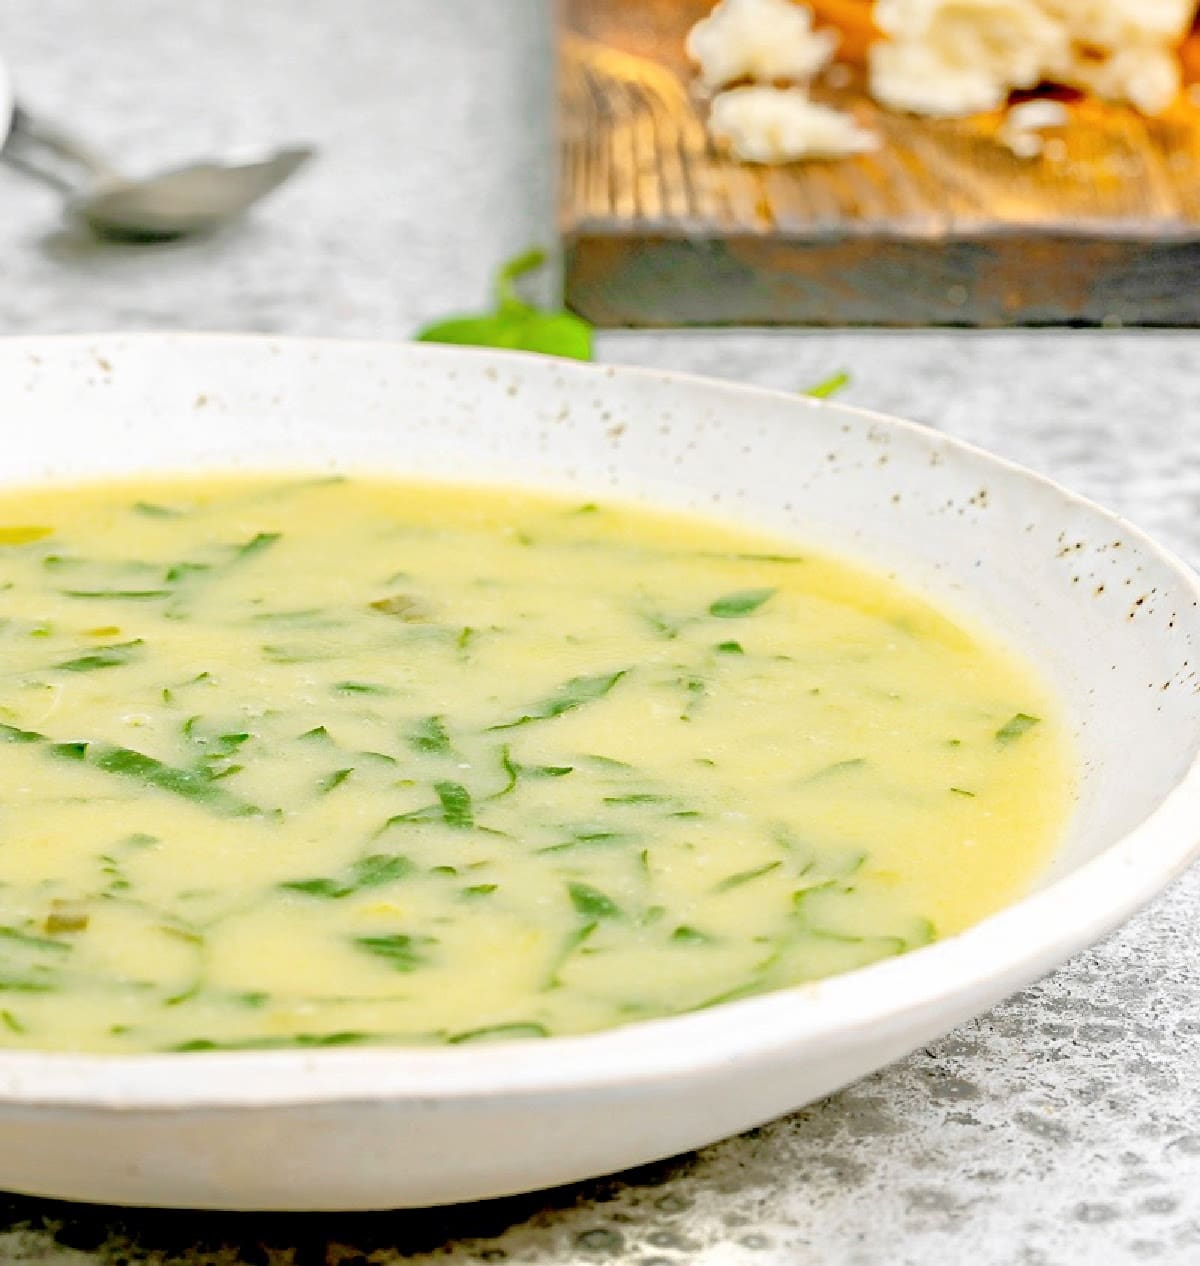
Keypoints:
pixel 176 203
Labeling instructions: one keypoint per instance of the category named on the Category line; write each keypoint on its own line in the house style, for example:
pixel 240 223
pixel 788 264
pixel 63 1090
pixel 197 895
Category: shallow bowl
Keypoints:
pixel 1108 616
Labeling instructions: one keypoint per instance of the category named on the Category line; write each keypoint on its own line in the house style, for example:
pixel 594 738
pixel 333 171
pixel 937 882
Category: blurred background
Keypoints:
pixel 432 128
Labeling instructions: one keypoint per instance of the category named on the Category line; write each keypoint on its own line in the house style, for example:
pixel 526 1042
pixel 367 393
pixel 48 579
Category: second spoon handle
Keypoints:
pixel 53 157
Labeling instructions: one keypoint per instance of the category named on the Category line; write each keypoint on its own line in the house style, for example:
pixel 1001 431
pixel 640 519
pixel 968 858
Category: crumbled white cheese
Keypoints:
pixel 1037 114
pixel 956 57
pixel 906 75
pixel 781 125
pixel 760 40
pixel 1148 76
pixel 1125 50
pixel 1111 23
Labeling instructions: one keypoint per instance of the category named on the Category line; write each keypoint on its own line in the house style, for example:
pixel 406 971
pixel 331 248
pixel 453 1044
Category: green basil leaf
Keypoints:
pixel 514 324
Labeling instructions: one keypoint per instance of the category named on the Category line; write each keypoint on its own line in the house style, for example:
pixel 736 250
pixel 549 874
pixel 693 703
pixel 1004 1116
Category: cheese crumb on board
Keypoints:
pixel 957 57
pixel 1125 50
pixel 1145 76
pixel 782 125
pixel 1111 23
pixel 760 40
pixel 1021 131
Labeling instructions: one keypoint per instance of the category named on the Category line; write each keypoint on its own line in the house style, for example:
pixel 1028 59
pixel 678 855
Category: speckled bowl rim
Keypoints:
pixel 1025 939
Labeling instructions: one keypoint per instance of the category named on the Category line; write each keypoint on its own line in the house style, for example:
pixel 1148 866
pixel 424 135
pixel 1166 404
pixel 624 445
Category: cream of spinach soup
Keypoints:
pixel 303 762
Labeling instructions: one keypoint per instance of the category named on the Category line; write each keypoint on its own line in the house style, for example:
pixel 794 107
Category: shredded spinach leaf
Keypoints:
pixel 522 1028
pixel 745 876
pixel 429 735
pixel 570 695
pixel 152 510
pixel 374 871
pixel 838 767
pixel 257 544
pixel 192 784
pixel 685 935
pixel 592 903
pixel 361 688
pixel 126 595
pixel 829 386
pixel 103 657
pixel 480 890
pixel 400 951
pixel 742 602
pixel 457 810
pixel 333 780
pixel 299 1041
pixel 1015 726
pixel 31 941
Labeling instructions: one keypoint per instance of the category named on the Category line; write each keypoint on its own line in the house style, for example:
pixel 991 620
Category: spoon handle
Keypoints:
pixel 42 151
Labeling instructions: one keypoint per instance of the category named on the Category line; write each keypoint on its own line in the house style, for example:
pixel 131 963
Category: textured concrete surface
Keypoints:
pixel 1063 1129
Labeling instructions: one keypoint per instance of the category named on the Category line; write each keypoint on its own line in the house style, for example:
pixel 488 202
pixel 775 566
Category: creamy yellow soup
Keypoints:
pixel 305 762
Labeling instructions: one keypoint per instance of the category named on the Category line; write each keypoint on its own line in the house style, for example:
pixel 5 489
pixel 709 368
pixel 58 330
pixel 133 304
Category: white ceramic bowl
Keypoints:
pixel 1107 615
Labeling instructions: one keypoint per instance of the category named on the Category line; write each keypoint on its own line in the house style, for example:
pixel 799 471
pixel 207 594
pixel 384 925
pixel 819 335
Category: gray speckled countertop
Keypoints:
pixel 1062 1129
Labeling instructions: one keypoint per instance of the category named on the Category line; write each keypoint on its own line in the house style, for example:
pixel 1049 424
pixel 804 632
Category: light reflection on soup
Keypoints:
pixel 302 762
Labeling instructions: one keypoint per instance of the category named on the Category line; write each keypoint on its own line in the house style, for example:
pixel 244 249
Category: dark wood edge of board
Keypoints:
pixel 991 281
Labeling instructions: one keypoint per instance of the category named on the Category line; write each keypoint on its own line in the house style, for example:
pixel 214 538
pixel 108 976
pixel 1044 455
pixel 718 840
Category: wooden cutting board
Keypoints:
pixel 943 225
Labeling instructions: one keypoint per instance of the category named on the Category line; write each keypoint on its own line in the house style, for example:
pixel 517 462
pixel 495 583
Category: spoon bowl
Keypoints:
pixel 186 200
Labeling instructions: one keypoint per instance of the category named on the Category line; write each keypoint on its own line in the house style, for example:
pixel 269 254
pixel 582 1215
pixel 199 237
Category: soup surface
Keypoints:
pixel 302 762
